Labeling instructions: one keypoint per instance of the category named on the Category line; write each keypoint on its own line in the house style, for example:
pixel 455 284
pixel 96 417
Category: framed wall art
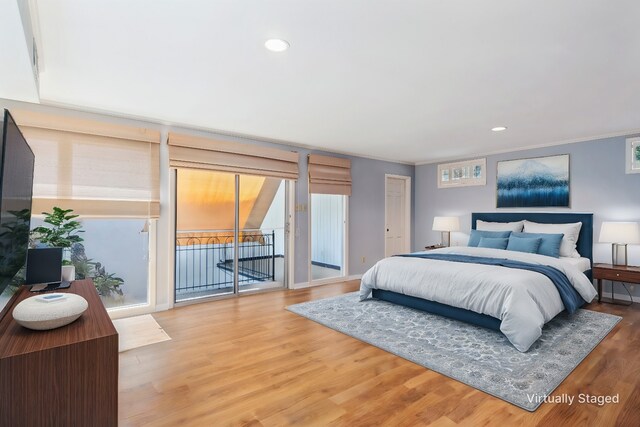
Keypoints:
pixel 633 155
pixel 462 174
pixel 540 182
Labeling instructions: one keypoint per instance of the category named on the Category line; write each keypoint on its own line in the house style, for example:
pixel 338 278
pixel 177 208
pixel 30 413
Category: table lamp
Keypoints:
pixel 619 234
pixel 446 224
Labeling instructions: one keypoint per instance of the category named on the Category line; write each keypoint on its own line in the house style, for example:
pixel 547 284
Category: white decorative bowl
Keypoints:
pixel 33 313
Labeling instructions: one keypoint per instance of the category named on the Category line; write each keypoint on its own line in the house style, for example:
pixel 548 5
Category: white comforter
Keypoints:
pixel 523 300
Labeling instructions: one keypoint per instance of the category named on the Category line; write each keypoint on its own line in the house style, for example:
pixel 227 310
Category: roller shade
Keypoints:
pixel 329 175
pixel 97 169
pixel 222 156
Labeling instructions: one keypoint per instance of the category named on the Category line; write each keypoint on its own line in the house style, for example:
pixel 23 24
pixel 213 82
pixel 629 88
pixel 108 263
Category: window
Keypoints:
pixel 109 175
pixel 328 225
pixel 329 186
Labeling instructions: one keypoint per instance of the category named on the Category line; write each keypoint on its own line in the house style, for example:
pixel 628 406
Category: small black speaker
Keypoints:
pixel 44 265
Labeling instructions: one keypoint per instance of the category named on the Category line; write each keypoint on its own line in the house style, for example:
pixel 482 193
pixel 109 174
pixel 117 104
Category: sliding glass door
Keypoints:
pixel 261 238
pixel 230 234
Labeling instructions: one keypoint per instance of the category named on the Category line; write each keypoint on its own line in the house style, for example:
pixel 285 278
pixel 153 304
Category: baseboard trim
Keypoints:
pixel 619 297
pixel 303 285
pixel 164 307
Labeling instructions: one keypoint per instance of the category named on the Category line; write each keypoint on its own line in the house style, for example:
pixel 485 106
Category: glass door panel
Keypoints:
pixel 261 243
pixel 205 220
pixel 327 236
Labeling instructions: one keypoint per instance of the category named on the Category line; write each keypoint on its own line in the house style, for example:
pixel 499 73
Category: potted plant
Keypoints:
pixel 107 284
pixel 63 232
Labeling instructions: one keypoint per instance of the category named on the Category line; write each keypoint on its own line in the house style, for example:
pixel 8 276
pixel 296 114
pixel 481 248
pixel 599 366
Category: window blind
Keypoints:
pixel 222 156
pixel 97 169
pixel 329 175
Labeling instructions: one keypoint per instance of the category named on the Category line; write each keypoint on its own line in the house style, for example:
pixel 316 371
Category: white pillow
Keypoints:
pixel 499 226
pixel 570 231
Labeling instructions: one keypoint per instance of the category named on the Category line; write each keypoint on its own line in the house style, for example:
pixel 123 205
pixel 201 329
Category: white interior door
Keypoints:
pixel 396 216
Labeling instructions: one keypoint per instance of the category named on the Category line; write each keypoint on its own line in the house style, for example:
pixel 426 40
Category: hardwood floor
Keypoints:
pixel 247 361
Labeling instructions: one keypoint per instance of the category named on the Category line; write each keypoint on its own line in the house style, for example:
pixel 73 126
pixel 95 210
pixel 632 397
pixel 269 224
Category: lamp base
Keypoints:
pixel 618 251
pixel 445 238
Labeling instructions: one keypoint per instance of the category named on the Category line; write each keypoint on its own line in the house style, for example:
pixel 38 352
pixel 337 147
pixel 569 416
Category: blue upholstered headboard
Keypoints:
pixel 585 239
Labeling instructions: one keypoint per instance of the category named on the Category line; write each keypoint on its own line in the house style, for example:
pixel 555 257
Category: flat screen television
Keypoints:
pixel 16 188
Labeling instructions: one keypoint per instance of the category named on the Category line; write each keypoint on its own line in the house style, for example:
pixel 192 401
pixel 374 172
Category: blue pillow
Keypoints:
pixel 524 244
pixel 475 236
pixel 550 244
pixel 493 242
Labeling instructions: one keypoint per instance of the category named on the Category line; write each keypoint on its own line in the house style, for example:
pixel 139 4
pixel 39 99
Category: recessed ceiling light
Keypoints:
pixel 499 128
pixel 276 45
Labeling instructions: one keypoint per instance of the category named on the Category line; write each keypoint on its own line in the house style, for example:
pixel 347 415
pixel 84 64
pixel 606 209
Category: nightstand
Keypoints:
pixel 432 247
pixel 615 273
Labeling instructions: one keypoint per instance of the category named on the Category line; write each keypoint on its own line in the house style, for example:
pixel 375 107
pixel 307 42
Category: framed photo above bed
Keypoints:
pixel 633 155
pixel 462 174
pixel 539 182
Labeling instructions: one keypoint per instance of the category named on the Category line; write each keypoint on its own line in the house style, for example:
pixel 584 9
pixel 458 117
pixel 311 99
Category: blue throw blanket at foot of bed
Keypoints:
pixel 570 297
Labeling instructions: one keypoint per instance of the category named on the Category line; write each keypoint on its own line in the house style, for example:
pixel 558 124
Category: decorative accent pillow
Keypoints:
pixel 499 226
pixel 476 235
pixel 523 244
pixel 493 243
pixel 570 231
pixel 549 243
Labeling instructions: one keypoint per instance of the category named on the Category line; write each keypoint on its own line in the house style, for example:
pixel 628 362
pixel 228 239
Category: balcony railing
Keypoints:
pixel 205 261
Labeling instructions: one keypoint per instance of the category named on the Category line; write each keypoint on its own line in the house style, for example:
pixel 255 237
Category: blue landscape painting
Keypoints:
pixel 539 182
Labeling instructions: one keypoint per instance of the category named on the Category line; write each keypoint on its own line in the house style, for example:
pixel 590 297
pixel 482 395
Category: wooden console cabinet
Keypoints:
pixel 62 377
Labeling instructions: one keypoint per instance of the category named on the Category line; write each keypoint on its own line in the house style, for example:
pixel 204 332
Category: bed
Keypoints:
pixel 517 301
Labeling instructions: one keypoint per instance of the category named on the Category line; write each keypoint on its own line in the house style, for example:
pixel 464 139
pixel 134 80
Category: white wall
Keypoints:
pixel 274 219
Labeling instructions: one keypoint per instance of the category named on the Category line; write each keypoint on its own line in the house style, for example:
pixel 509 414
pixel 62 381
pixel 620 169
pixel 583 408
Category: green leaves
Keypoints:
pixel 107 283
pixel 64 230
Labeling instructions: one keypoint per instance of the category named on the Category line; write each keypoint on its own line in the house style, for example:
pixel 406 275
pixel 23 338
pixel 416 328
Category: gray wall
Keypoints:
pixel 366 213
pixel 366 205
pixel 598 185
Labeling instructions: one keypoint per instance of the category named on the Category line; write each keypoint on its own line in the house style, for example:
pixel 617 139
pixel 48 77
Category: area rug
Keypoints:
pixel 479 357
pixel 138 331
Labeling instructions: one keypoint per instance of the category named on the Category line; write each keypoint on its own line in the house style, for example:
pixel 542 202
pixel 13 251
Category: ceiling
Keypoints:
pixel 411 81
pixel 17 78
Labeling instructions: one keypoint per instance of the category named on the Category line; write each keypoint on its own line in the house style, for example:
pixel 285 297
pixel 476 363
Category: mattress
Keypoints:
pixel 521 299
pixel 583 264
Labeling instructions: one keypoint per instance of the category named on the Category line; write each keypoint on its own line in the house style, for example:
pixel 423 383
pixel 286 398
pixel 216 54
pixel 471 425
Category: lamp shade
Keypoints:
pixel 446 223
pixel 620 232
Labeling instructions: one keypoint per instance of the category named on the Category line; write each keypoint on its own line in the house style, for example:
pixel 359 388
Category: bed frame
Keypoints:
pixel 584 247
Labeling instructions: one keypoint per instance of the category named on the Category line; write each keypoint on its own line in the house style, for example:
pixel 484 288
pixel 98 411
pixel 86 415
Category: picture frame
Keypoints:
pixel 536 182
pixel 462 174
pixel 632 158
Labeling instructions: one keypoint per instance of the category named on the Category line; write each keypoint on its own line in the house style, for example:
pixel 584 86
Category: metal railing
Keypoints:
pixel 205 261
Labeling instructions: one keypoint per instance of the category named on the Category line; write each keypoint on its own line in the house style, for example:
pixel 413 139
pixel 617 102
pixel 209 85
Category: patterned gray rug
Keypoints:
pixel 481 358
